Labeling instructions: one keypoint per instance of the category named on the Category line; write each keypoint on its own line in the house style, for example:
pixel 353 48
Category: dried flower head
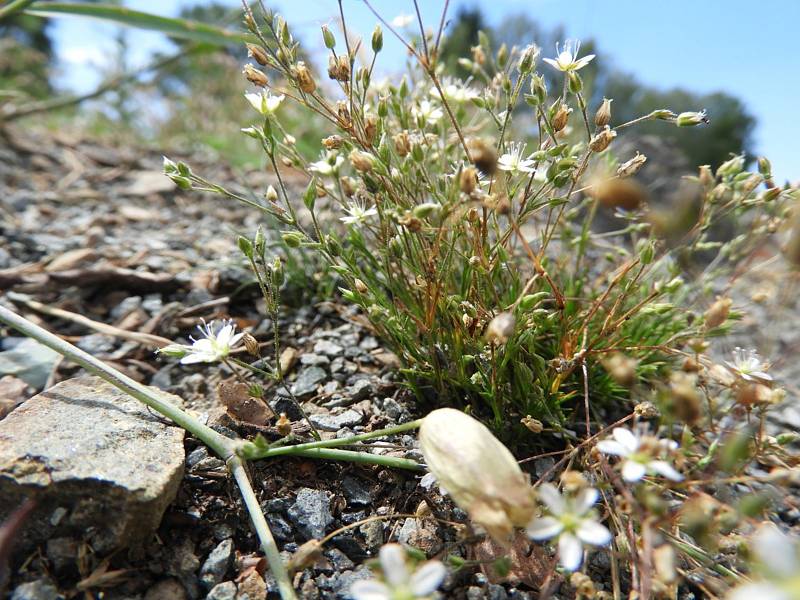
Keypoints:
pixel 255 76
pixel 478 472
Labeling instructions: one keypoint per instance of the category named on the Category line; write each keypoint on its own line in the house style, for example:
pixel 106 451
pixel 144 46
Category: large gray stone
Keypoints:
pixel 29 361
pixel 100 466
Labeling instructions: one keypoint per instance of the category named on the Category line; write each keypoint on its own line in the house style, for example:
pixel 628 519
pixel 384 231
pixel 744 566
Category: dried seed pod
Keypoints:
pixel 501 328
pixel 483 155
pixel 480 474
pixel 561 118
pixel 602 140
pixel 305 81
pixel 251 344
pixel 603 115
pixel 632 166
pixel 363 162
pixel 619 193
pixel 718 313
pixel 468 180
pixel 255 76
pixel 257 54
pixel 402 143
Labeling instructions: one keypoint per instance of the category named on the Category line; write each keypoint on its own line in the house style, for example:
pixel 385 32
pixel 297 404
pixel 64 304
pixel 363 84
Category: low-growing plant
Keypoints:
pixel 458 215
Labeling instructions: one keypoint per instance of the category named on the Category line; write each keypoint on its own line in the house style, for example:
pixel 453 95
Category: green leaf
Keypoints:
pixel 179 28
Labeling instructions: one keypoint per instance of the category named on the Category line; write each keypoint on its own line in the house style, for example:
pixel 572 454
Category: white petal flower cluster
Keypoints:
pixel 328 166
pixel 456 91
pixel 398 582
pixel 427 112
pixel 572 521
pixel 357 213
pixel 642 454
pixel 264 102
pixel 567 57
pixel 215 345
pixel 748 365
pixel 513 161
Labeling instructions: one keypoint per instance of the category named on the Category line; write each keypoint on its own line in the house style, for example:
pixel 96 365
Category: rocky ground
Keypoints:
pixel 99 246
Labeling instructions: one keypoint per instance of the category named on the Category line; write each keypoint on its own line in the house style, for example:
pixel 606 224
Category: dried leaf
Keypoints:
pixel 236 398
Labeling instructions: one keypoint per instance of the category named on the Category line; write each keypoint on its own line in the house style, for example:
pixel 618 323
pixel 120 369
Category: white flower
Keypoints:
pixel 398 582
pixel 215 344
pixel 402 20
pixel 264 102
pixel 512 160
pixel 327 166
pixel 748 365
pixel 572 521
pixel 455 90
pixel 641 454
pixel 428 112
pixel 357 213
pixel 567 59
pixel 777 555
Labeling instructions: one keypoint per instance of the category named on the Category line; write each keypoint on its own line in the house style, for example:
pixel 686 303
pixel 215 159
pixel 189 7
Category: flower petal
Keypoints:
pixel 196 357
pixel 549 494
pixel 633 471
pixel 776 551
pixel 612 447
pixel 393 563
pixel 570 551
pixel 758 591
pixel 544 528
pixel 585 499
pixel 664 469
pixel 428 578
pixel 592 532
pixel 552 63
pixel 626 438
pixel 369 589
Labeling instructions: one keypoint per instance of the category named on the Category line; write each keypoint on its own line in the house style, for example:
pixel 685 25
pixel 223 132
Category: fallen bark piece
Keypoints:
pixel 100 466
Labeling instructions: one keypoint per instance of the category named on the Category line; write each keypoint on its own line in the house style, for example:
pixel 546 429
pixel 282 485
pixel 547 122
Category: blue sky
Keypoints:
pixel 749 49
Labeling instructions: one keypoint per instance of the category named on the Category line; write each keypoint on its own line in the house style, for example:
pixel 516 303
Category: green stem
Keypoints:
pixel 351 456
pixel 14 7
pixel 251 452
pixel 268 545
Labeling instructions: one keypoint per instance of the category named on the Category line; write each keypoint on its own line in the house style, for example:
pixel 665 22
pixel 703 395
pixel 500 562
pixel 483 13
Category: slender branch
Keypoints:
pixel 14 7
pixel 268 545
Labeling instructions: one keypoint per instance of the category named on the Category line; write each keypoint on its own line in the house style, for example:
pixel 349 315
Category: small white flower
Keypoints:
pixel 567 58
pixel 455 90
pixel 264 102
pixel 428 112
pixel 748 365
pixel 357 213
pixel 572 520
pixel 328 166
pixel 641 454
pixel 398 582
pixel 512 160
pixel 402 20
pixel 777 556
pixel 215 344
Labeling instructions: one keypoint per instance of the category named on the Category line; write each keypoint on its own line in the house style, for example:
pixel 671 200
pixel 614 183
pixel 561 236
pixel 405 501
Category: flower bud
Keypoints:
pixel 632 166
pixel 717 314
pixel 284 425
pixel 360 286
pixel 601 141
pixel 305 81
pixel 482 477
pixel 174 350
pixel 292 239
pixel 603 115
pixel 468 180
pixel 251 344
pixel 272 194
pixel 328 38
pixel 764 167
pixel 255 76
pixel 257 54
pixel 377 39
pixel 575 82
pixel 561 118
pixel 370 128
pixel 690 119
pixel 362 161
pixel 526 59
pixel 501 328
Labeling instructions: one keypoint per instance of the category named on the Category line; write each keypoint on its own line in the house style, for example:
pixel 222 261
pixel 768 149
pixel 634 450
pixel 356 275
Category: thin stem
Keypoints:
pixel 351 456
pixel 268 545
pixel 14 7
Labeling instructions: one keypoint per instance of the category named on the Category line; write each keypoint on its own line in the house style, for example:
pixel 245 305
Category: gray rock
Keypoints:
pixel 29 361
pixel 311 512
pixel 223 591
pixel 40 589
pixel 280 528
pixel 361 389
pixel 328 348
pixel 62 552
pixel 97 454
pixel 373 534
pixel 339 560
pixel 329 422
pixel 97 343
pixel 496 592
pixel 407 531
pixel 355 492
pixel 166 589
pixel 217 564
pixel 307 381
pixel 316 360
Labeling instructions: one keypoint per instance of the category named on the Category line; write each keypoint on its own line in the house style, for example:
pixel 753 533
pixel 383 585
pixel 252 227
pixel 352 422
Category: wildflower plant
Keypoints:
pixel 462 200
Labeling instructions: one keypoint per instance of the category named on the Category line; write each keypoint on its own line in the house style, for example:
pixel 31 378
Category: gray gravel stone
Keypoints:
pixel 355 492
pixel 35 590
pixel 329 422
pixel 311 512
pixel 316 360
pixel 361 389
pixel 86 447
pixel 223 591
pixel 327 348
pixel 29 361
pixel 308 380
pixel 216 565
